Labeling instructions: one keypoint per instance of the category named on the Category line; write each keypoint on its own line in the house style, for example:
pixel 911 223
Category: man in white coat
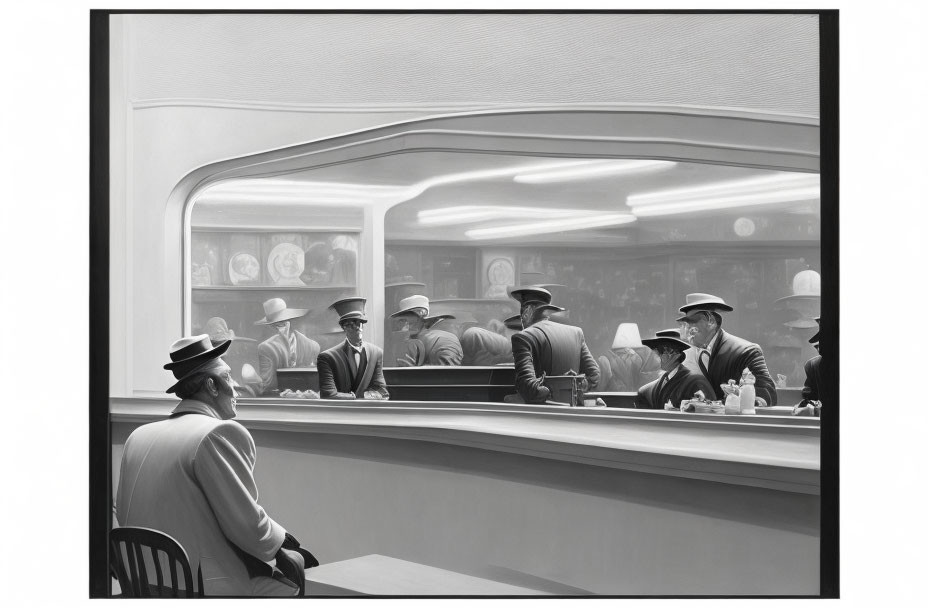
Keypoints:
pixel 191 476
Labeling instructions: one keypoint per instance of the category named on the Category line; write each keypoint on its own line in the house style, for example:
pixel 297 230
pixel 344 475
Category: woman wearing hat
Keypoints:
pixel 426 346
pixel 354 368
pixel 547 348
pixel 676 383
pixel 287 348
pixel 724 357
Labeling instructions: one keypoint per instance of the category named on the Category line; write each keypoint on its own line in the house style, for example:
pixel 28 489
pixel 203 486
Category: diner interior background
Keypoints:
pixel 761 257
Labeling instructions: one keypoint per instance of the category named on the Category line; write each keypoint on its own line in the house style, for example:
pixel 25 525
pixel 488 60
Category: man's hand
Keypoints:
pixel 372 395
pixel 291 564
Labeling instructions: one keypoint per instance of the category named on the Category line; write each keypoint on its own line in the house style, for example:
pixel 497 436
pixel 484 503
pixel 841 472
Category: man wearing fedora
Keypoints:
pixel 547 348
pixel 191 476
pixel 812 389
pixel 287 348
pixel 426 345
pixel 354 368
pixel 676 382
pixel 723 356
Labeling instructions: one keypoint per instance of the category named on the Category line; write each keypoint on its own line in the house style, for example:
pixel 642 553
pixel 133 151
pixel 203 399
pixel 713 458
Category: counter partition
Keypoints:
pixel 597 499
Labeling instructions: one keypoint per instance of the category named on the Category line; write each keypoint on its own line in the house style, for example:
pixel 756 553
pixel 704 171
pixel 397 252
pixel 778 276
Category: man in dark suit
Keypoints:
pixel 812 390
pixel 285 349
pixel 676 383
pixel 426 346
pixel 354 368
pixel 722 356
pixel 547 348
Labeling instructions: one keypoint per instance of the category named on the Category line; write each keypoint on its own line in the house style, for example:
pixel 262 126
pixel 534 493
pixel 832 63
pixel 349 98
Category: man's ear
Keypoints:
pixel 211 386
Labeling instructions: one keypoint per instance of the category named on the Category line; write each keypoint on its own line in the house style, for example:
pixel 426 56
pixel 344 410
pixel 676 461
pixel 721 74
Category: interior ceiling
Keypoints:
pixel 764 62
pixel 413 182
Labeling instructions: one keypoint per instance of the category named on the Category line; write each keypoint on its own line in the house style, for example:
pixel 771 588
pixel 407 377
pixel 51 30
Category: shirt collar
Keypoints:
pixel 713 341
pixel 357 349
pixel 673 372
pixel 192 406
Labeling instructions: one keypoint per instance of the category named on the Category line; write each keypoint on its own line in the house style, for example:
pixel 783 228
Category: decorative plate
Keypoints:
pixel 501 272
pixel 285 264
pixel 243 268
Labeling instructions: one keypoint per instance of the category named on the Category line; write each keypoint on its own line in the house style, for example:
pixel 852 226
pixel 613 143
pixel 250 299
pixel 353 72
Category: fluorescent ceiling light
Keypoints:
pixel 592 169
pixel 596 220
pixel 717 189
pixel 464 214
pixel 786 195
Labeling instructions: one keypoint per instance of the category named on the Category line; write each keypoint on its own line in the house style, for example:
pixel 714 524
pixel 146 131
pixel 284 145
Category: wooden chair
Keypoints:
pixel 133 551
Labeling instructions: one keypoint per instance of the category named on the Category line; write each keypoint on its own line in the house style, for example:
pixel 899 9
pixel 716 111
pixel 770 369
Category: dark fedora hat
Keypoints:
pixel 191 352
pixel 514 322
pixel 531 294
pixel 349 309
pixel 659 341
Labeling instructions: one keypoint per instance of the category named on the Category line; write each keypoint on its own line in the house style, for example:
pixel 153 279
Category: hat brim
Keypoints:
pixel 809 296
pixel 707 306
pixel 286 314
pixel 405 311
pixel 666 341
pixel 216 351
pixel 814 338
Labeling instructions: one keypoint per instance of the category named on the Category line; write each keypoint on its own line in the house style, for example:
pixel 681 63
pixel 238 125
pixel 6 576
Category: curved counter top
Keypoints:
pixel 775 452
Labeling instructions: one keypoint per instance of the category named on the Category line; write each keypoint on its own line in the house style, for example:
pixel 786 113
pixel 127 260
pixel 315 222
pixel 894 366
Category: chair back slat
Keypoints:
pixel 126 546
pixel 157 561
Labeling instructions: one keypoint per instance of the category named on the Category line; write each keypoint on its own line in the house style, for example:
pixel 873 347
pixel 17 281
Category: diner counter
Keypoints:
pixel 568 501
pixel 770 451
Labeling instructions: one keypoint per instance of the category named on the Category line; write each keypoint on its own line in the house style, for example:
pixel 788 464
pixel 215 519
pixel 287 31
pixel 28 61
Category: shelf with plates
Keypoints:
pixel 332 287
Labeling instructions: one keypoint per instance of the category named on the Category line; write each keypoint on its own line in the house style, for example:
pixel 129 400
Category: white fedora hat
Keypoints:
pixel 407 305
pixel 275 311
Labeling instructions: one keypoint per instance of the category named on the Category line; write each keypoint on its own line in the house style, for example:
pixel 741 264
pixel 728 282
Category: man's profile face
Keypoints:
pixel 283 328
pixel 225 402
pixel 528 311
pixel 414 323
pixel 354 331
pixel 700 329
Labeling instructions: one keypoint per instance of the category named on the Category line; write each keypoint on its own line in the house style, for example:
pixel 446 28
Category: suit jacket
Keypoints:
pixel 338 374
pixel 274 354
pixel 484 347
pixel 730 355
pixel 191 476
pixel 552 349
pixel 683 385
pixel 813 385
pixel 432 347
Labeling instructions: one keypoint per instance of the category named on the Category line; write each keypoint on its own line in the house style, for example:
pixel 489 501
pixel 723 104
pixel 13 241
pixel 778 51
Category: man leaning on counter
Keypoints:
pixel 723 356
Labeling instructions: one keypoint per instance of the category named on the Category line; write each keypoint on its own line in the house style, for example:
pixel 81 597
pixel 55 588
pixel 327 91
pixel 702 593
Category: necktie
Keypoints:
pixel 292 343
pixel 703 360
pixel 660 386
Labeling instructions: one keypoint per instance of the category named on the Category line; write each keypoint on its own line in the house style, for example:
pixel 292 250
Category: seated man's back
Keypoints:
pixel 190 477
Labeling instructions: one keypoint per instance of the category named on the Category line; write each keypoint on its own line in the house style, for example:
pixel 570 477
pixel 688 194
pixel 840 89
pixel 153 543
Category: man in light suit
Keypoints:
pixel 191 476
pixel 676 383
pixel 426 346
pixel 288 348
pixel 546 348
pixel 722 356
pixel 354 368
